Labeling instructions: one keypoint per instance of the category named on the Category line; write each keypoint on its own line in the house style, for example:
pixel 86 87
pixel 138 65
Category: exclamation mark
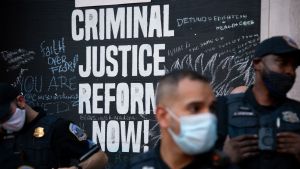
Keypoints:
pixel 146 135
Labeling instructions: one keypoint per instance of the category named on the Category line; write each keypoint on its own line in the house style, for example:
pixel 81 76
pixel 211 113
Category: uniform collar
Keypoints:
pixel 249 96
pixel 200 160
pixel 41 113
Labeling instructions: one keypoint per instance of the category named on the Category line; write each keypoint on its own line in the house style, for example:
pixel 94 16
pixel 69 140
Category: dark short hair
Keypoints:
pixel 168 83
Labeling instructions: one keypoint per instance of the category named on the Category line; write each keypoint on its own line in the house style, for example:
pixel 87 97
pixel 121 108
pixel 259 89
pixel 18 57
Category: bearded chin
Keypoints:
pixel 278 84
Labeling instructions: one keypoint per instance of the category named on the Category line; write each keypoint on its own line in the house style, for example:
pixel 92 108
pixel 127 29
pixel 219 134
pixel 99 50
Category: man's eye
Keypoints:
pixel 282 62
pixel 195 109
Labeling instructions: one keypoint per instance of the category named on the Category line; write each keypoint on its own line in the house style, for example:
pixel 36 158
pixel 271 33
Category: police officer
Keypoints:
pixel 188 128
pixel 32 139
pixel 260 129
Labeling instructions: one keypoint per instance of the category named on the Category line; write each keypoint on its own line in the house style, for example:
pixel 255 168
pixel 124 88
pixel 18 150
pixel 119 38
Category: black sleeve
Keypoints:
pixel 70 141
pixel 121 166
pixel 222 115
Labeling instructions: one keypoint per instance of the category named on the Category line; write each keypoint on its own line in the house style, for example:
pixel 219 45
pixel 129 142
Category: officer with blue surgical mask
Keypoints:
pixel 184 101
pixel 29 138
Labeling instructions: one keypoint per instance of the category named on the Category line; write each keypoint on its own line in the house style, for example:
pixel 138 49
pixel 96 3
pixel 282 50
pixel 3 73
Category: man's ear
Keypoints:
pixel 162 117
pixel 257 63
pixel 21 101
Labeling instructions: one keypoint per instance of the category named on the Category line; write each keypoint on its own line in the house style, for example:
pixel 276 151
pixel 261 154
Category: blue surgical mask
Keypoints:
pixel 198 133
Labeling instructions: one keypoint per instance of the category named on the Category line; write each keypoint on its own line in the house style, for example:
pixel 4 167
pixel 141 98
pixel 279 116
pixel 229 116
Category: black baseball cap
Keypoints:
pixel 7 94
pixel 278 45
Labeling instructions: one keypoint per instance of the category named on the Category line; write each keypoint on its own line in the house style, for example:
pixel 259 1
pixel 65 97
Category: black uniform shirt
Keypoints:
pixel 68 142
pixel 68 145
pixel 282 117
pixel 153 160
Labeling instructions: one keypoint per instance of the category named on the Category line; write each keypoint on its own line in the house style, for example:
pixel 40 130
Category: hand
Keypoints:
pixel 241 147
pixel 288 142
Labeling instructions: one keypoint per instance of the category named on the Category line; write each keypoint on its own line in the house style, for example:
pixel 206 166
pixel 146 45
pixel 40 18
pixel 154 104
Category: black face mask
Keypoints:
pixel 278 84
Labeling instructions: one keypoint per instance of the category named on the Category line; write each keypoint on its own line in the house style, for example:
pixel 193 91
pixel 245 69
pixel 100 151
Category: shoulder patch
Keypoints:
pixel 77 131
pixel 290 117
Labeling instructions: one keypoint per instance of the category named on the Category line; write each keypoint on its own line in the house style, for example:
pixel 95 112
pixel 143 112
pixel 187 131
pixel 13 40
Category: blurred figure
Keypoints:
pixel 261 128
pixel 188 127
pixel 32 139
pixel 239 89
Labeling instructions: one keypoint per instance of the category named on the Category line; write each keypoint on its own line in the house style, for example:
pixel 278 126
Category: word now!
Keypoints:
pixel 114 136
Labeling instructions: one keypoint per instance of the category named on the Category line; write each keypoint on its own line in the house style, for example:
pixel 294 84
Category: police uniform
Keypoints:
pixel 244 116
pixel 153 160
pixel 46 142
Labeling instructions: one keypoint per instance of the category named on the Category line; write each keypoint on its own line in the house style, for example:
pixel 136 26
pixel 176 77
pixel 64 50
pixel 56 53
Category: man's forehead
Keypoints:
pixel 188 80
pixel 199 100
pixel 281 57
pixel 194 90
pixel 187 84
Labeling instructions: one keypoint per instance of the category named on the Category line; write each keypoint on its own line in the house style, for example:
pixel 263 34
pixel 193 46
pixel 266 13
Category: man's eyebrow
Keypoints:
pixel 279 59
pixel 195 103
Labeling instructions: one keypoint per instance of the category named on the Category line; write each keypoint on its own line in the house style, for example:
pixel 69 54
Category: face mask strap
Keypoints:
pixel 16 101
pixel 172 113
pixel 174 116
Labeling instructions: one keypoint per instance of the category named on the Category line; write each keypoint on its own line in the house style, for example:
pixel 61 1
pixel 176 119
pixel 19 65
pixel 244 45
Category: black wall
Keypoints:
pixel 214 37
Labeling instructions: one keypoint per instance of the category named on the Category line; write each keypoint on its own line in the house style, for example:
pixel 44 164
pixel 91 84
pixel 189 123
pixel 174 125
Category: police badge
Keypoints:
pixel 39 132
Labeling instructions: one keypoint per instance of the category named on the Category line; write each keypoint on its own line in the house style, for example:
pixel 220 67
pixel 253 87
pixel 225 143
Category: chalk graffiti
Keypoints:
pixel 16 58
pixel 55 52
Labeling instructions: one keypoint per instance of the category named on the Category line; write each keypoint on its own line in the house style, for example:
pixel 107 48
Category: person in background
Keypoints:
pixel 32 139
pixel 184 101
pixel 261 127
pixel 239 89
